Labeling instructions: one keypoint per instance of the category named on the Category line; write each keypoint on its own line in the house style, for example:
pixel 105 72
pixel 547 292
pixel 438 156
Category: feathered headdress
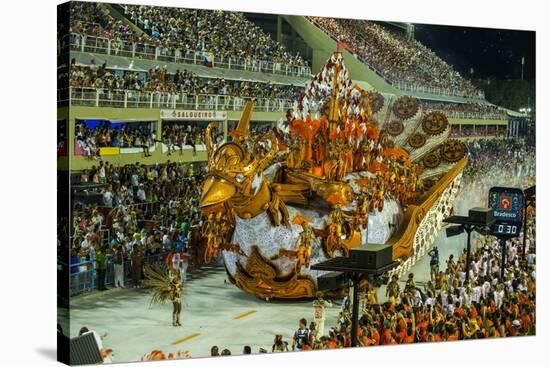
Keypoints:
pixel 163 285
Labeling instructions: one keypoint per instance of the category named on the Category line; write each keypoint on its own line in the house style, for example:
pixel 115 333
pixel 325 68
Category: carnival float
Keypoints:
pixel 353 168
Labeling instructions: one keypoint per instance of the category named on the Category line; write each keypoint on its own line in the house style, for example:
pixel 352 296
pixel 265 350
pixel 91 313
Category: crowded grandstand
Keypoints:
pixel 137 97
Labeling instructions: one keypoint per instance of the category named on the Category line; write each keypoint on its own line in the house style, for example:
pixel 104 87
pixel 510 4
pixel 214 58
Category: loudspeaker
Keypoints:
pixel 371 256
pixel 84 350
pixel 454 230
pixel 481 215
pixel 330 281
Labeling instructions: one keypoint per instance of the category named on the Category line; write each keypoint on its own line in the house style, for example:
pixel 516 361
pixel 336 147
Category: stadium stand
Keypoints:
pixel 179 83
pixel 196 36
pixel 470 110
pixel 406 64
pixel 156 60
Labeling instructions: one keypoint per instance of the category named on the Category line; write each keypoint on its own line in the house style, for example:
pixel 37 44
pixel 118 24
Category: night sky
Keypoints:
pixel 490 52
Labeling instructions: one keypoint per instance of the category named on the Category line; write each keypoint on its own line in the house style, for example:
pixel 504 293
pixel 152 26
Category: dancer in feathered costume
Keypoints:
pixel 165 286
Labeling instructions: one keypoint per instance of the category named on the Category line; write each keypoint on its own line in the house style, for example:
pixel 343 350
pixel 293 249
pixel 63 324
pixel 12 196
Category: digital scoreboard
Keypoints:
pixel 508 205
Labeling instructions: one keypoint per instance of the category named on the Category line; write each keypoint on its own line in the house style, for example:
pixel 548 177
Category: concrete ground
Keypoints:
pixel 214 313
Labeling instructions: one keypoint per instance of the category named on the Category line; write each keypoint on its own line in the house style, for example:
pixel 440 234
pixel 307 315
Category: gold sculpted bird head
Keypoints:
pixel 233 170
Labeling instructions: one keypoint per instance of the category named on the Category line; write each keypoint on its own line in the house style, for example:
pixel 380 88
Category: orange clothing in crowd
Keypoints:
pixel 460 311
pixel 400 336
pixel 453 337
pixel 422 326
pixel 367 341
pixel 532 288
pixel 525 322
pixel 409 339
pixel 347 342
pixel 331 344
pixel 386 336
pixel 376 337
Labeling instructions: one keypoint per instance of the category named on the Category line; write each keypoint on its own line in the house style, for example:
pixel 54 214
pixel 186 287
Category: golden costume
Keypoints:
pixel 393 290
pixel 304 250
pixel 321 151
pixel 165 286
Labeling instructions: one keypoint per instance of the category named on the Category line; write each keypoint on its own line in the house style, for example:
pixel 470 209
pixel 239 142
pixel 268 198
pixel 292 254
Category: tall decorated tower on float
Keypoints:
pixel 352 168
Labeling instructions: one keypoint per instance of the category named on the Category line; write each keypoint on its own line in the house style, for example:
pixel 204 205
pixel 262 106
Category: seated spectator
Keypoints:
pixel 399 60
pixel 183 85
pixel 466 110
pixel 178 32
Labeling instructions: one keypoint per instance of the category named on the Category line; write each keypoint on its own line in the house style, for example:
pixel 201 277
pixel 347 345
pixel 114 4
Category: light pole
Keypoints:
pixel 478 219
pixel 356 274
pixel 522 66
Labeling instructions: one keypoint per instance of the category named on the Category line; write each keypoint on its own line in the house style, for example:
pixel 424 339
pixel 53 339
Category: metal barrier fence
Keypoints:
pixel 85 278
pixel 117 47
pixel 98 97
pixel 408 87
pixel 470 115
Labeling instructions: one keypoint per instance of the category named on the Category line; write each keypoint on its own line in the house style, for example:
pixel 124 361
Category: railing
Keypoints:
pixel 84 279
pixel 143 50
pixel 470 115
pixel 451 92
pixel 489 135
pixel 98 97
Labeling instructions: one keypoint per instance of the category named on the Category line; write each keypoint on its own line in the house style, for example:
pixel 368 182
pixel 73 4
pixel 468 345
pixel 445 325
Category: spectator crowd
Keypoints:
pixel 147 213
pixel 178 134
pixel 93 20
pixel 129 135
pixel 228 36
pixel 396 58
pixel 225 34
pixel 481 131
pixel 470 109
pixel 449 307
pixel 150 213
pixel 159 80
pixel 516 168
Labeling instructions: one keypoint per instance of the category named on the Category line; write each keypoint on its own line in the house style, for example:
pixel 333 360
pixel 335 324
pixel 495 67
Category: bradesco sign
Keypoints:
pixel 507 204
pixel 193 115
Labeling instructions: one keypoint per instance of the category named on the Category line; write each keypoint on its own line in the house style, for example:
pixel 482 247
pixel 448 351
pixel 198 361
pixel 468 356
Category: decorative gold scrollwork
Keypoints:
pixel 452 151
pixel 431 160
pixel 417 140
pixel 405 107
pixel 395 128
pixel 434 123
pixel 376 100
pixel 260 277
